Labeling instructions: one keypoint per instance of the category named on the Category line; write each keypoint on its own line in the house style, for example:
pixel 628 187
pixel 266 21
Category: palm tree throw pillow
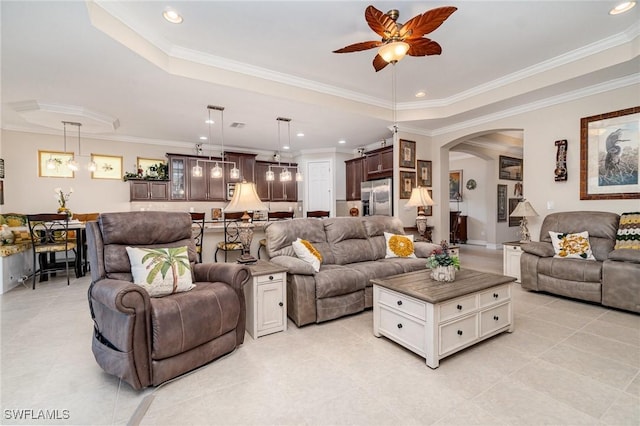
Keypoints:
pixel 161 271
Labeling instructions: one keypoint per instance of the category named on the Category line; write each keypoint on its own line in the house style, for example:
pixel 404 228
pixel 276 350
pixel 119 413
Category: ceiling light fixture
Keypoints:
pixel 622 7
pixel 216 171
pixel 421 94
pixel 300 134
pixel 394 51
pixel 172 16
pixel 342 141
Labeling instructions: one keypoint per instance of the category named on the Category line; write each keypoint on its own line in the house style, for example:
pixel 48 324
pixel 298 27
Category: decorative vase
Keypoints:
pixel 444 273
pixel 65 210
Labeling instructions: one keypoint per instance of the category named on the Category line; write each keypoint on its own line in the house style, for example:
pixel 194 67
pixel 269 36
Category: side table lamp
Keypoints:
pixel 245 198
pixel 524 210
pixel 420 198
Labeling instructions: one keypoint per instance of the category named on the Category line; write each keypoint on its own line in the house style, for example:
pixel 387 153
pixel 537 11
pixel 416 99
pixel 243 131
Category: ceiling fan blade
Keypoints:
pixel 380 23
pixel 423 24
pixel 423 47
pixel 379 63
pixel 356 47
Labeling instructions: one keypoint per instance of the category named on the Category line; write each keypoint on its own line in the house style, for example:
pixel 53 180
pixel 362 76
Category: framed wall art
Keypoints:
pixel 510 168
pixel 428 210
pixel 514 220
pixel 455 185
pixel 502 203
pixel 145 163
pixel 407 154
pixel 407 183
pixel 609 157
pixel 425 171
pixel 54 164
pixel 108 167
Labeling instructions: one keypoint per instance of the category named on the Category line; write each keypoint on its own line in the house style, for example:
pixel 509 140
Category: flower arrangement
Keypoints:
pixel 62 197
pixel 441 257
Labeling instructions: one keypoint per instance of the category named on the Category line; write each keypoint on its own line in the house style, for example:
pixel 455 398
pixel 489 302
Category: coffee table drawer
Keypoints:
pixel 404 330
pixel 458 307
pixel 494 319
pixel 458 333
pixel 403 303
pixel 495 295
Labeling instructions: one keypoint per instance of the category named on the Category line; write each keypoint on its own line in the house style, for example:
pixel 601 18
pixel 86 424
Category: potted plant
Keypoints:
pixel 443 266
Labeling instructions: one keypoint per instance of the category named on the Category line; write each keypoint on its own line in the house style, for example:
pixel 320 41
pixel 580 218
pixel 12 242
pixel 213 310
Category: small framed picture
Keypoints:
pixel 510 168
pixel 502 203
pixel 54 164
pixel 455 185
pixel 424 173
pixel 148 164
pixel 407 183
pixel 108 167
pixel 407 154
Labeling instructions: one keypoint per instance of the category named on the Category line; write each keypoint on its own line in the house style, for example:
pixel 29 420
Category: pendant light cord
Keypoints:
pixel 393 96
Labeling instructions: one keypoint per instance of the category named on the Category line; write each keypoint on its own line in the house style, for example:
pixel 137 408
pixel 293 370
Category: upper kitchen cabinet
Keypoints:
pixel 244 162
pixel 204 187
pixel 355 176
pixel 275 190
pixel 178 177
pixel 379 163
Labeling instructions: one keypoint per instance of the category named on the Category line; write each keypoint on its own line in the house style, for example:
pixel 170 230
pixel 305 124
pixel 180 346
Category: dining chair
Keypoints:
pixel 318 213
pixel 274 216
pixel 49 235
pixel 197 227
pixel 231 222
pixel 82 241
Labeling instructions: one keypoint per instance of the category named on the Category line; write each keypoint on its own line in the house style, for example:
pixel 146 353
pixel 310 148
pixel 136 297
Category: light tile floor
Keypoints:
pixel 567 363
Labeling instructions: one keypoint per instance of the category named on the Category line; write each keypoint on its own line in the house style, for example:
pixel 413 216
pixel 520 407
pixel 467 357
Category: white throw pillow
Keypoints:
pixel 307 252
pixel 161 271
pixel 571 246
pixel 399 245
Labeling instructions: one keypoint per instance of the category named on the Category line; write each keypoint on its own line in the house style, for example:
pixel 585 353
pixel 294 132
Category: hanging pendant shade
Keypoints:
pixel 270 175
pixel 196 171
pixel 216 171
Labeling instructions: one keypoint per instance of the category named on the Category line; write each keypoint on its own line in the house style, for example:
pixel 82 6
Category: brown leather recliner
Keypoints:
pixel 146 340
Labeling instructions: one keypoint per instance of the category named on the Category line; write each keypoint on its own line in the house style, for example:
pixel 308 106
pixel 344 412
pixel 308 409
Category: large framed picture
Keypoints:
pixel 407 183
pixel 502 203
pixel 54 164
pixel 425 172
pixel 609 158
pixel 108 167
pixel 510 168
pixel 407 154
pixel 455 185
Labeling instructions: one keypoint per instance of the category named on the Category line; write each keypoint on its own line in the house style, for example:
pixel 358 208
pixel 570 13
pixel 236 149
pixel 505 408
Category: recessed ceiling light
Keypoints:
pixel 203 138
pixel 342 141
pixel 285 147
pixel 300 134
pixel 622 7
pixel 209 121
pixel 172 16
pixel 421 94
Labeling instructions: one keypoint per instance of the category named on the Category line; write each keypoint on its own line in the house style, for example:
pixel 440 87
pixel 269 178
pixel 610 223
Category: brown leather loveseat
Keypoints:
pixel 148 340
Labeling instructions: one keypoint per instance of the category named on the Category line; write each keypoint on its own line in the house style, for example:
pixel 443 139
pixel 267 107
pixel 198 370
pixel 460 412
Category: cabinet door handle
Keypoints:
pixel 495 317
pixel 399 325
pixel 271 277
pixel 399 302
pixel 459 307
pixel 459 332
pixel 282 304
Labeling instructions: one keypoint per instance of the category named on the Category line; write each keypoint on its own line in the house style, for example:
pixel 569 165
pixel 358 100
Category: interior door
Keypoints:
pixel 319 181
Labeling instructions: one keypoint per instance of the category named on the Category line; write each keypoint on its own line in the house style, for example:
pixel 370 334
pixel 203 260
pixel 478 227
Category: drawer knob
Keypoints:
pixel 282 304
pixel 270 277
pixel 495 295
pixel 459 332
pixel 399 302
pixel 459 307
pixel 495 317
pixel 399 325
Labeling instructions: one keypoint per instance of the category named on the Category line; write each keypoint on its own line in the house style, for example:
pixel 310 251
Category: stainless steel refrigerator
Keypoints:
pixel 377 197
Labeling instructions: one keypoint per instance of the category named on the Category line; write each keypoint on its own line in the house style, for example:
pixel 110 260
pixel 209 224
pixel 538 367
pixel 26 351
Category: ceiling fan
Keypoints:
pixel 401 39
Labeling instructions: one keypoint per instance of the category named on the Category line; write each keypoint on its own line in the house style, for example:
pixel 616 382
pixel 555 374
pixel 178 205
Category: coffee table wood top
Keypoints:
pixel 419 284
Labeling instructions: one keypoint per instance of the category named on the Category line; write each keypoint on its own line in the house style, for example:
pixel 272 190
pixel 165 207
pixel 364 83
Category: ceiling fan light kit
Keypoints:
pixel 393 52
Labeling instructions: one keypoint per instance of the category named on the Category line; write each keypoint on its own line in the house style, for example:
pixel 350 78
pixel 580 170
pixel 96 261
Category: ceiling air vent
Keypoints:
pixel 237 124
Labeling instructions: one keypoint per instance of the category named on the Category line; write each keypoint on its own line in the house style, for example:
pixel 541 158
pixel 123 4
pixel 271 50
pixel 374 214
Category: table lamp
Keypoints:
pixel 524 210
pixel 245 198
pixel 420 198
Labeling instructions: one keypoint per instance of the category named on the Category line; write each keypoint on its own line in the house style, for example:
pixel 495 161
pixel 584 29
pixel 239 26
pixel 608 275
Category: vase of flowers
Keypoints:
pixel 62 198
pixel 443 266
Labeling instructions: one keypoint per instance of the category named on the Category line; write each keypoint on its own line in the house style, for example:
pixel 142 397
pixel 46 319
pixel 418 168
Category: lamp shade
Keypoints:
pixel 524 209
pixel 393 52
pixel 245 198
pixel 419 197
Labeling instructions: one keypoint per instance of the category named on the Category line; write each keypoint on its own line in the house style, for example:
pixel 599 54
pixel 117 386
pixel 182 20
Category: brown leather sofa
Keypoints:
pixel 613 279
pixel 148 340
pixel 353 251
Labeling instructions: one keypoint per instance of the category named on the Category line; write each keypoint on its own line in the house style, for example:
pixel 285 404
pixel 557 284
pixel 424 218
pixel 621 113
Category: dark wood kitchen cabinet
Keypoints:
pixel 379 163
pixel 275 190
pixel 148 190
pixel 355 176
